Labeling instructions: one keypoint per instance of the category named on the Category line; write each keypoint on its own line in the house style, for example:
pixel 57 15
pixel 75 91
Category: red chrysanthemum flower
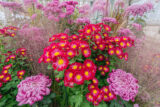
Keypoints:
pixel 53 46
pixel 57 80
pixel 111 51
pixel 83 44
pixel 7 66
pixel 47 60
pixel 78 79
pixel 91 86
pixel 7 59
pixel 69 75
pixel 95 81
pixel 118 51
pixel 95 103
pixel 74 44
pixel 100 68
pixel 103 73
pixel 63 36
pixel 89 97
pixel 110 46
pixel 75 66
pixel 41 59
pixel 101 46
pixel 7 78
pixel 63 44
pixel 100 97
pixel 105 90
pixel 95 92
pixel 60 64
pixel 68 84
pixel 74 37
pixel 5 71
pixel 86 52
pixel 56 52
pixel 100 57
pixel 122 44
pixel 117 39
pixel 71 53
pixel 53 38
pixel 125 55
pixel 87 74
pixel 105 68
pixel 88 31
pixel 106 97
pixel 20 77
pixel 107 28
pixel 89 63
pixel 129 44
pixel 12 57
pixel 21 72
pixel 94 47
pixel 2 76
pixel 125 38
pixel 97 37
pixel 112 96
pixel 105 35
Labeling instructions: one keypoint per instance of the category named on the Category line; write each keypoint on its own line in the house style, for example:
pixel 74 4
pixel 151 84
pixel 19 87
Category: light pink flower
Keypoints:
pixel 139 9
pixel 33 16
pixel 125 32
pixel 83 21
pixel 29 2
pixel 109 20
pixel 137 26
pixel 32 89
pixel 123 84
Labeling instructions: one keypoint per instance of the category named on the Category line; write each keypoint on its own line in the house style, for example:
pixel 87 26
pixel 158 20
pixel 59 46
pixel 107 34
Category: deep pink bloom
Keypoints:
pixel 32 89
pixel 123 84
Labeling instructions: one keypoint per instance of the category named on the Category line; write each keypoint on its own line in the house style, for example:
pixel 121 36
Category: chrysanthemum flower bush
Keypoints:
pixel 83 63
pixel 13 68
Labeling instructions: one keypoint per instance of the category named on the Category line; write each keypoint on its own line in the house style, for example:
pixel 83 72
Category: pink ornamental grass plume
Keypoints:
pixel 99 5
pixel 123 84
pixel 13 6
pixel 32 89
pixel 109 20
pixel 137 26
pixel 83 20
pixel 29 2
pixel 139 9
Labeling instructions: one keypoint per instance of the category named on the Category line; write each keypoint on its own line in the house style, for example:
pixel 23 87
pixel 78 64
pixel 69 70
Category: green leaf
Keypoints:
pixel 76 100
pixel 60 74
pixel 53 95
pixel 85 104
pixel 49 67
pixel 102 105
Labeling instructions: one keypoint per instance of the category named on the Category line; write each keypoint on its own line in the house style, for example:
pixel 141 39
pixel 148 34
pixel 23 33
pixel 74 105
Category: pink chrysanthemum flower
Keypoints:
pixel 109 20
pixel 123 84
pixel 32 89
pixel 137 26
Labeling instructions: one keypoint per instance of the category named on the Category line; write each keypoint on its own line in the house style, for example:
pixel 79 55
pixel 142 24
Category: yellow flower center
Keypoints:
pixel 106 90
pixel 70 75
pixel 2 76
pixel 85 51
pixel 48 59
pixel 70 53
pixel 110 94
pixel 82 46
pixel 56 53
pixel 5 71
pixel 105 96
pixel 101 46
pixel 90 96
pixel 122 44
pixel 60 62
pixel 75 67
pixel 62 44
pixel 86 73
pixel 94 81
pixel 107 28
pixel 74 46
pixel 78 77
pixel 7 78
pixel 94 91
pixel 21 73
pixel 63 37
pixel 88 31
pixel 97 37
pixel 88 65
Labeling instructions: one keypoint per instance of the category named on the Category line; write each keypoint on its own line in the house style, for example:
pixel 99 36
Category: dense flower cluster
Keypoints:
pixel 9 31
pixel 83 20
pixel 138 9
pixel 54 10
pixel 32 89
pixel 29 2
pixel 123 84
pixel 97 95
pixel 78 73
pixel 64 49
pixel 109 20
pixel 13 6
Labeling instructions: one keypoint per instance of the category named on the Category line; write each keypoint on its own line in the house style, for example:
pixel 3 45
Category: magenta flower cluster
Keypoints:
pixel 13 6
pixel 139 9
pixel 109 20
pixel 99 5
pixel 55 10
pixel 32 89
pixel 83 20
pixel 125 32
pixel 123 84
